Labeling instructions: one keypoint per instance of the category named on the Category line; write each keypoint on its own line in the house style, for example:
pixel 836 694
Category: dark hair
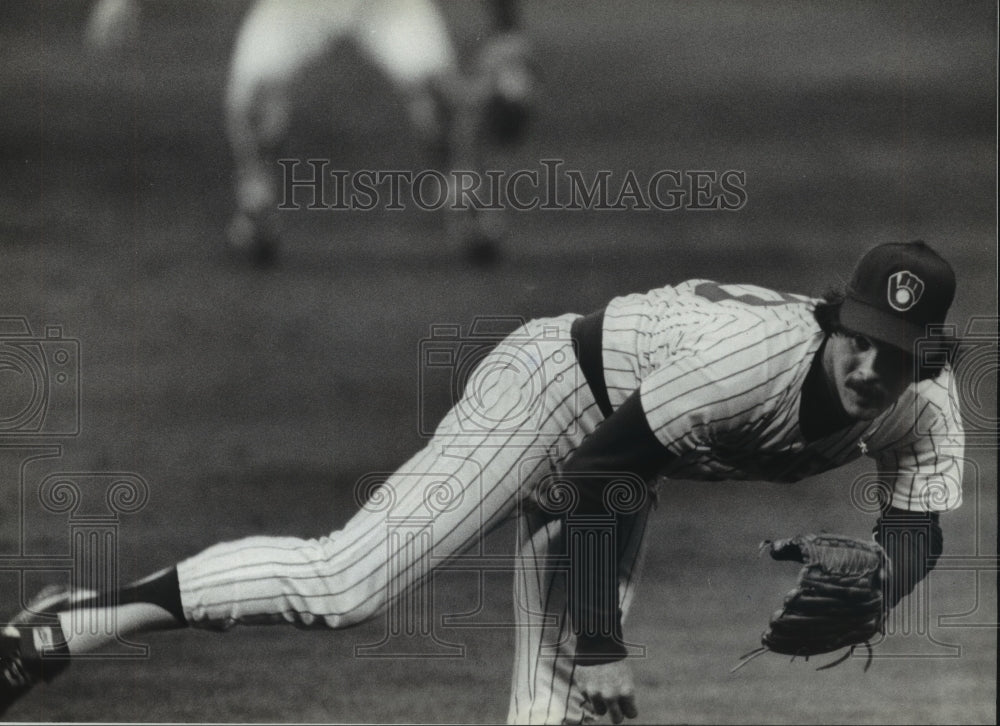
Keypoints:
pixel 933 352
pixel 827 311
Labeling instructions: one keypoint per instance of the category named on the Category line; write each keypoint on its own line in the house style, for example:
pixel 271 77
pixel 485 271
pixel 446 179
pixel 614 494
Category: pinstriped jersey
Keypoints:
pixel 720 370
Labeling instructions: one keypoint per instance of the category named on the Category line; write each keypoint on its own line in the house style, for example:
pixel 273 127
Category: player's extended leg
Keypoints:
pixel 277 41
pixel 521 411
pixel 542 689
pixel 518 413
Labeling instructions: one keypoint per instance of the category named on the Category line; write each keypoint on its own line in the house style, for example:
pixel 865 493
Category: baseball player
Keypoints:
pixel 566 425
pixel 452 113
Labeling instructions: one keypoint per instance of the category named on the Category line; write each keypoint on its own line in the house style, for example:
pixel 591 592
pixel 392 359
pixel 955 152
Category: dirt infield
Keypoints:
pixel 252 401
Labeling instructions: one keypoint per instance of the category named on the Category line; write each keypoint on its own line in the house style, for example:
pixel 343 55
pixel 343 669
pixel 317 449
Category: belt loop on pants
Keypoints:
pixel 587 333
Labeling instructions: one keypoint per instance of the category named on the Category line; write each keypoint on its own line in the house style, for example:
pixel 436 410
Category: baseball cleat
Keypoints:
pixel 16 676
pixel 21 666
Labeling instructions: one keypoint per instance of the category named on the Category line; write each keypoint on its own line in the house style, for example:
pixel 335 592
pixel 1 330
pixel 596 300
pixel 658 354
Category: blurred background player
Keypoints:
pixel 452 113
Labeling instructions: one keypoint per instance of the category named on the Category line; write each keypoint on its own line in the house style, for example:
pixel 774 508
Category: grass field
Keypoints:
pixel 251 401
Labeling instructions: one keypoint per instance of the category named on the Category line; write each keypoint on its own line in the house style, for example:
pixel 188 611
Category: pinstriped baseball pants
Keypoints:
pixel 525 408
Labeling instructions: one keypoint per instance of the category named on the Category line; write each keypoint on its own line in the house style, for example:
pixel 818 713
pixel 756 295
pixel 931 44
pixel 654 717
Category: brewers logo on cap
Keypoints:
pixel 905 290
pixel 896 292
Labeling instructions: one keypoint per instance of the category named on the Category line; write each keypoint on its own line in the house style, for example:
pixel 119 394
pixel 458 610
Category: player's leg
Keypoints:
pixel 505 71
pixel 450 493
pixel 277 40
pixel 542 689
pixel 521 400
pixel 409 42
pixel 516 413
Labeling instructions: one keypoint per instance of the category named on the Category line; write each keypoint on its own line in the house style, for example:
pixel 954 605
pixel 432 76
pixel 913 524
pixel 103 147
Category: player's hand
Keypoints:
pixel 609 688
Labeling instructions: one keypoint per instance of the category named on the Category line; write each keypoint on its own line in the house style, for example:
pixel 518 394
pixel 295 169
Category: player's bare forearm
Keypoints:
pixel 609 689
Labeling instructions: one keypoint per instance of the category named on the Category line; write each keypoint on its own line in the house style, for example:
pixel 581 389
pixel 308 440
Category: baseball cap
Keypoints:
pixel 897 291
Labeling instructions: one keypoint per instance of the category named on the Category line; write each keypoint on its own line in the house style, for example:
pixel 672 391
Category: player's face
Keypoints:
pixel 866 374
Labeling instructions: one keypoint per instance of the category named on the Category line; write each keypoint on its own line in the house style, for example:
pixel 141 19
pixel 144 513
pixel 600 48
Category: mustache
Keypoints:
pixel 866 390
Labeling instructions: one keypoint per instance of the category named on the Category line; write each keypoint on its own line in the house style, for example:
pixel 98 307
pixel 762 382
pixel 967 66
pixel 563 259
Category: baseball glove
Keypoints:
pixel 836 603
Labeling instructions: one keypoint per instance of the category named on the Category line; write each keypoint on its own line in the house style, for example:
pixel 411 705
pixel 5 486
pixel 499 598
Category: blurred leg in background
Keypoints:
pixel 276 42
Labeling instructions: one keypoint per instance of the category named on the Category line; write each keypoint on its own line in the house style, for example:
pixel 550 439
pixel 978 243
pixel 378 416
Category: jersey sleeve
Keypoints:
pixel 923 467
pixel 622 444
